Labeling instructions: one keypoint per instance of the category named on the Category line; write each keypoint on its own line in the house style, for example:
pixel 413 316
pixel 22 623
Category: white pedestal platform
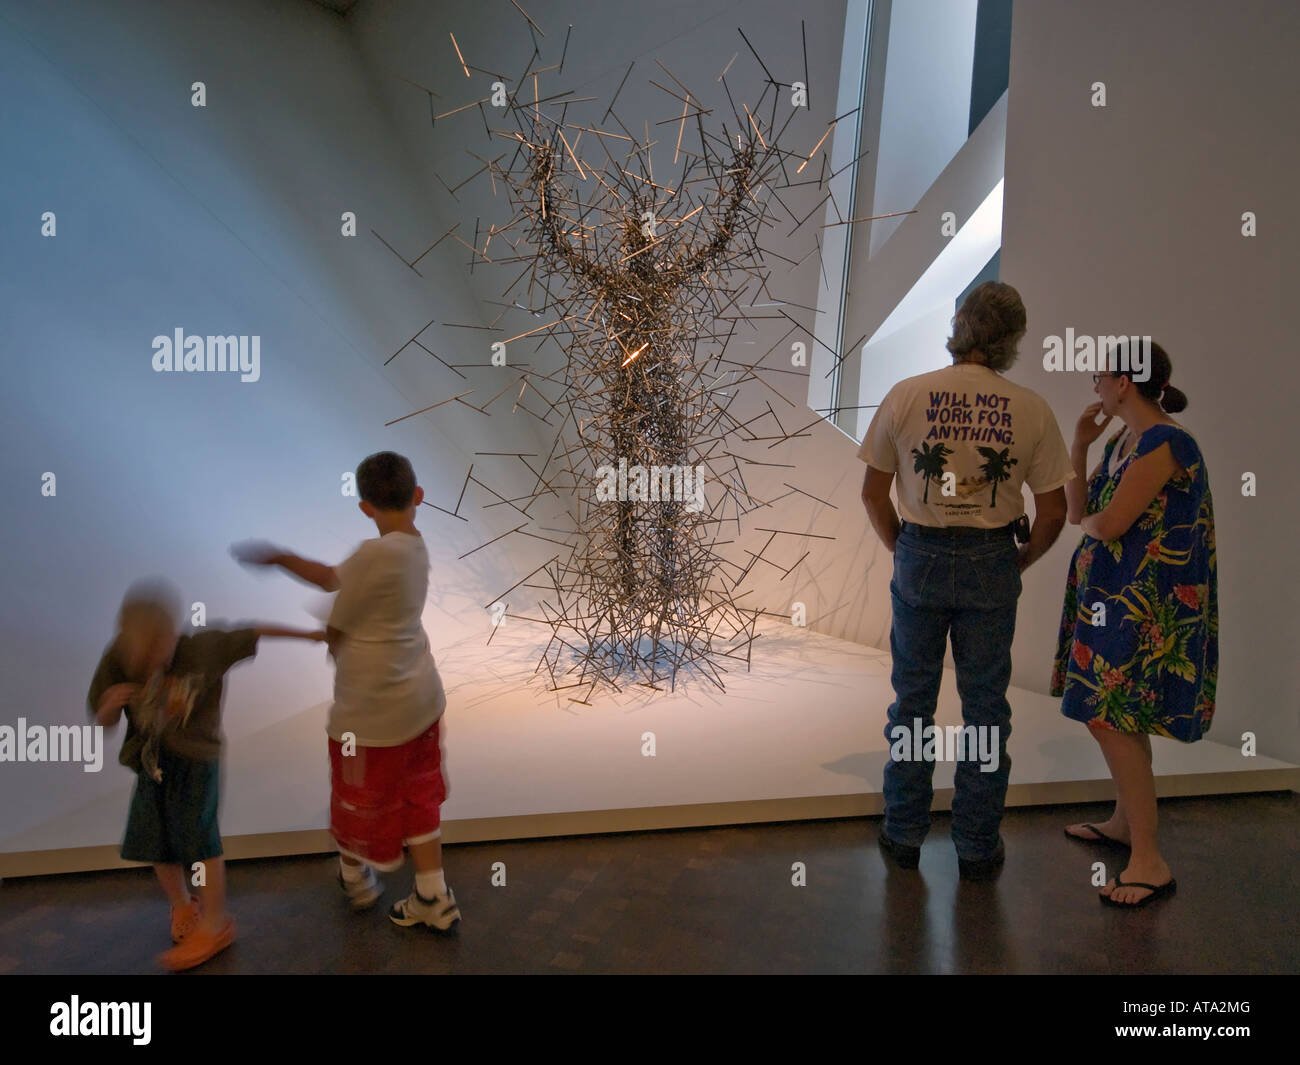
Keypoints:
pixel 800 735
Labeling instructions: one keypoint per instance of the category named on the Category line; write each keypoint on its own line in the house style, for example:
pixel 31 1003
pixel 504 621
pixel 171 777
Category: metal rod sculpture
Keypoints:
pixel 642 284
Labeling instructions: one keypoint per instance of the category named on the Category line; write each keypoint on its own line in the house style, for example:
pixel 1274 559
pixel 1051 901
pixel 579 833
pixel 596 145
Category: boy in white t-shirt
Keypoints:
pixel 386 779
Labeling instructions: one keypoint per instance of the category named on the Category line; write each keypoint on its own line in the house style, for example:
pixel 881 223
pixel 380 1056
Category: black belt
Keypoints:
pixel 952 532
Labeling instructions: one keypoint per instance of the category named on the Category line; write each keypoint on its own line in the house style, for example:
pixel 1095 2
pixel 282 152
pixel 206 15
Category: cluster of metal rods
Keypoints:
pixel 642 283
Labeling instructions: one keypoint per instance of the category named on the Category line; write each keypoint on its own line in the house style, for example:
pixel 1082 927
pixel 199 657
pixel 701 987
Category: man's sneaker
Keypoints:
pixel 983 868
pixel 363 893
pixel 904 855
pixel 439 913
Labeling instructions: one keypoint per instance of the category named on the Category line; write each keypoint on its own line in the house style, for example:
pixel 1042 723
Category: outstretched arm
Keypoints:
pixel 260 553
pixel 298 634
pixel 741 171
pixel 551 223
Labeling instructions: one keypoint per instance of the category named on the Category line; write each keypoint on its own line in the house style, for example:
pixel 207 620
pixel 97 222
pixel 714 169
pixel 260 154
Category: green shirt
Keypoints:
pixel 199 666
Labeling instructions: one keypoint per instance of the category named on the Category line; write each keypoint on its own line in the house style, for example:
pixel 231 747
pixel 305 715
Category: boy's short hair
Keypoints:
pixel 386 481
pixel 154 602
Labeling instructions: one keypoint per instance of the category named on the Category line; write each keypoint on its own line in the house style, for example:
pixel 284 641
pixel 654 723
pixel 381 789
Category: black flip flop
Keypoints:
pixel 1158 891
pixel 1099 837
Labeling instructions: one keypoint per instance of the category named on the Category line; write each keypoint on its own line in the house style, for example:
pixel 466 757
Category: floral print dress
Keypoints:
pixel 1138 649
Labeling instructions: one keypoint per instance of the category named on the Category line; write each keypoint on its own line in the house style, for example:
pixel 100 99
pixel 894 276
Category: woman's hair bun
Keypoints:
pixel 1172 400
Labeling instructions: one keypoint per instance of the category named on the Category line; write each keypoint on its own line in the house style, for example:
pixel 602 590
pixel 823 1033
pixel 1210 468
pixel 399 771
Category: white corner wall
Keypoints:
pixel 1127 219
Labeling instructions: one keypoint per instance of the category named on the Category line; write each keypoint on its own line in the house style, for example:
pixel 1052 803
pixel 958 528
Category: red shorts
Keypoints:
pixel 384 797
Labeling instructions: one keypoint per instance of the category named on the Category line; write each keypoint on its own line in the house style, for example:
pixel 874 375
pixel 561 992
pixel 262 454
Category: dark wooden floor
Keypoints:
pixel 721 900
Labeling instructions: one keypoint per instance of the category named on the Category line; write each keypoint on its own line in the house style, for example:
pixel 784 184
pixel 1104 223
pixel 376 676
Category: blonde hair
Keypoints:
pixel 153 604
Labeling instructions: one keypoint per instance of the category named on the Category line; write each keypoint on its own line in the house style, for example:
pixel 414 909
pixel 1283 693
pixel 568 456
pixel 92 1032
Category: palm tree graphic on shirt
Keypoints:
pixel 930 462
pixel 996 467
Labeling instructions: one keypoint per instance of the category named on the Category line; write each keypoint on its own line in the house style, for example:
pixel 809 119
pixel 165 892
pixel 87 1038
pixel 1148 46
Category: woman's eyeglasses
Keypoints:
pixel 1096 378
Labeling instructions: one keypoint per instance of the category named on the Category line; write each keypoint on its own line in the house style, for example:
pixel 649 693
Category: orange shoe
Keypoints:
pixel 185 919
pixel 198 947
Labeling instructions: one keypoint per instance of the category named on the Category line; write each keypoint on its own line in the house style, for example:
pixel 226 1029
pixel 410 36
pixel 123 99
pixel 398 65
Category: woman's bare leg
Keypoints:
pixel 1117 827
pixel 1129 757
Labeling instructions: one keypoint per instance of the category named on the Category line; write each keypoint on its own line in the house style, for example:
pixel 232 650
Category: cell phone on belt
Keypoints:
pixel 1022 529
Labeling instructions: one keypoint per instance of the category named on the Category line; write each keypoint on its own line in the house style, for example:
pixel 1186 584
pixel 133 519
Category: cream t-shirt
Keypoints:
pixel 386 685
pixel 961 441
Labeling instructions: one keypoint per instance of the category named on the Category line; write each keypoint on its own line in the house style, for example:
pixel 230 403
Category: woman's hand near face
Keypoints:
pixel 1086 430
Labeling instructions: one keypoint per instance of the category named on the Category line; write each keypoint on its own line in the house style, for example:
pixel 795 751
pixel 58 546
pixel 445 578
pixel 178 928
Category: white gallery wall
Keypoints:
pixel 1128 219
pixel 217 220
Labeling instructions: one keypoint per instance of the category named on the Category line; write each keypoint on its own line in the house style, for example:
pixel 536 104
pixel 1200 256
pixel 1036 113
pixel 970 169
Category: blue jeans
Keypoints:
pixel 964 582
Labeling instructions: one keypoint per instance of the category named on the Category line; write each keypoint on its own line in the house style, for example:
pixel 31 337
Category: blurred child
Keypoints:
pixel 170 686
pixel 386 780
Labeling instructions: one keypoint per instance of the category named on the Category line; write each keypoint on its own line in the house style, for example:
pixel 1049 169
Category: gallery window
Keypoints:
pixel 926 85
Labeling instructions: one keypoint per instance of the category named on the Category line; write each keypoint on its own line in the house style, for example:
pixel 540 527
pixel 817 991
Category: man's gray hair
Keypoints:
pixel 991 321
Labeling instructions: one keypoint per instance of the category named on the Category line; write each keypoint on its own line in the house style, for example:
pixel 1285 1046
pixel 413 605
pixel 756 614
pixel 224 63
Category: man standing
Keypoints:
pixel 960 441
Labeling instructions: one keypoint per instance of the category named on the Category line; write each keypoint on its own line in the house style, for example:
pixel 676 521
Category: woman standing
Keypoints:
pixel 1138 653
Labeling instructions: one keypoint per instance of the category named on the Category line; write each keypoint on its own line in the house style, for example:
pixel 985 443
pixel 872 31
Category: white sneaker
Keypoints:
pixel 439 913
pixel 363 893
